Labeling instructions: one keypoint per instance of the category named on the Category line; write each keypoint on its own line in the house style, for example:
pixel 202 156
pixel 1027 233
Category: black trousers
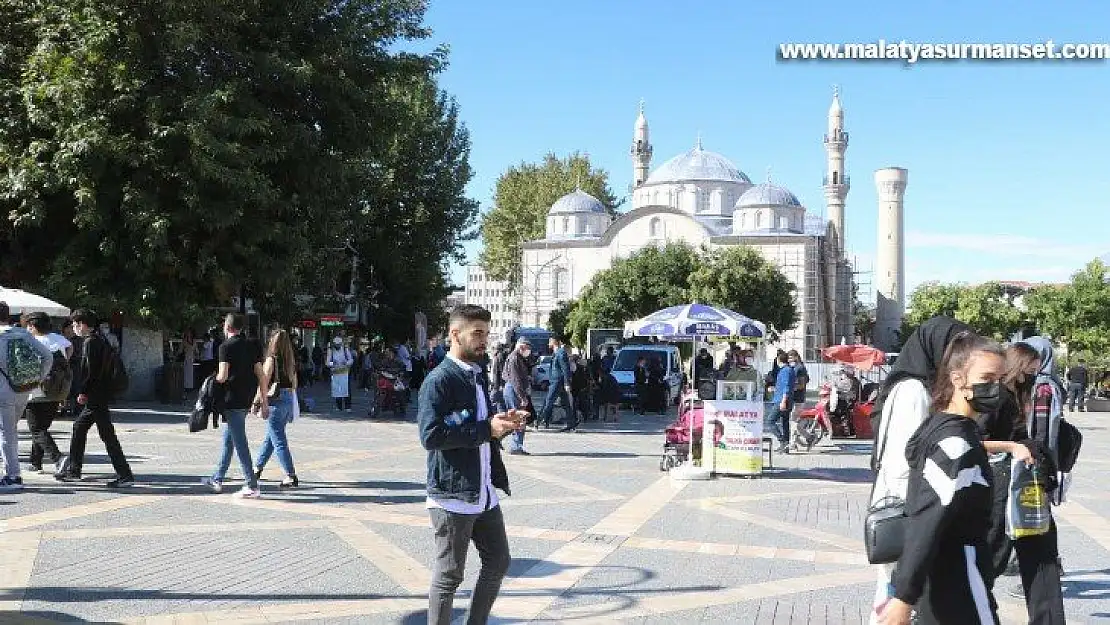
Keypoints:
pixel 453 535
pixel 1039 562
pixel 102 418
pixel 40 416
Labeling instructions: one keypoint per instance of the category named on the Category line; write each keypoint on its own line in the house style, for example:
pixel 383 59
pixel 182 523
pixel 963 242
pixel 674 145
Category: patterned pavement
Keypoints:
pixel 598 534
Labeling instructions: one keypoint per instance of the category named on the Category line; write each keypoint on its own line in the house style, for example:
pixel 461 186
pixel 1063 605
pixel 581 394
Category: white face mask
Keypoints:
pixel 749 361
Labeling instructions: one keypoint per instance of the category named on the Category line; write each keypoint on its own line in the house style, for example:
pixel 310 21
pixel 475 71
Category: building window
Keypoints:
pixel 702 201
pixel 784 223
pixel 655 228
pixel 836 176
pixel 743 221
pixel 580 225
pixel 566 225
pixel 559 283
pixel 759 220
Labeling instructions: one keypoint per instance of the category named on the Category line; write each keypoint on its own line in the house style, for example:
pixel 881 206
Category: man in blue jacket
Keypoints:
pixel 559 386
pixel 783 401
pixel 462 435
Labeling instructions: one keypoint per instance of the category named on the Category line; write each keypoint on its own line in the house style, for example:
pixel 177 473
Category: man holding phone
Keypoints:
pixel 462 438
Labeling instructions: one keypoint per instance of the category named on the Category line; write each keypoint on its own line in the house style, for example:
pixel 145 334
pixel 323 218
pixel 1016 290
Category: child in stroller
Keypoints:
pixel 677 446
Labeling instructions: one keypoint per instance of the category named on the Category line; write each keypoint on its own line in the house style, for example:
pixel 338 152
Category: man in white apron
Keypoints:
pixel 339 362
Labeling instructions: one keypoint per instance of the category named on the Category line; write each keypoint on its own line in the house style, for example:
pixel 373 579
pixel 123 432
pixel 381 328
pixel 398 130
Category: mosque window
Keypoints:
pixel 836 177
pixel 784 223
pixel 566 225
pixel 580 223
pixel 703 201
pixel 655 228
pixel 743 221
pixel 559 283
pixel 759 220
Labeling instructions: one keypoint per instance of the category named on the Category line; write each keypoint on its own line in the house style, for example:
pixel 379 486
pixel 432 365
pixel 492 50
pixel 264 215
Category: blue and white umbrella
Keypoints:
pixel 693 321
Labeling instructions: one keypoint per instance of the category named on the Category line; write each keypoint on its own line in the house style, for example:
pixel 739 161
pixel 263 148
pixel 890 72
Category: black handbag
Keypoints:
pixel 884 529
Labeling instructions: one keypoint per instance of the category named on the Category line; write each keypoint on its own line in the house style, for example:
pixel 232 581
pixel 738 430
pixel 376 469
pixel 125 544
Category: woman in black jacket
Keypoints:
pixel 945 569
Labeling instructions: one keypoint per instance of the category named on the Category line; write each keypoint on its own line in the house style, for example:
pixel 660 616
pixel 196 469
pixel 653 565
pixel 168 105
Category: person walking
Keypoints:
pixel 19 355
pixel 516 391
pixel 279 378
pixel 339 362
pixel 208 355
pixel 559 386
pixel 240 371
pixel 42 410
pixel 903 405
pixel 782 401
pixel 464 470
pixel 1078 378
pixel 640 384
pixel 944 570
pixel 94 396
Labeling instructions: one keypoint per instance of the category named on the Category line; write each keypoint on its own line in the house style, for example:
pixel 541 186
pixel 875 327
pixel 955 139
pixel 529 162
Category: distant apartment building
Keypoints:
pixel 454 300
pixel 493 295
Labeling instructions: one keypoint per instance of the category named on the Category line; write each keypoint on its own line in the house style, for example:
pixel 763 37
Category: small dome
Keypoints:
pixel 577 201
pixel 767 194
pixel 698 164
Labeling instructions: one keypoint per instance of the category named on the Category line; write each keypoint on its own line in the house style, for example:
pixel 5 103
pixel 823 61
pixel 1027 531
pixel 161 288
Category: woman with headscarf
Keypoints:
pixel 903 405
pixel 339 361
pixel 1039 556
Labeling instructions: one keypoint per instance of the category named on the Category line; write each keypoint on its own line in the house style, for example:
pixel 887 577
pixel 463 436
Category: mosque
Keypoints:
pixel 701 198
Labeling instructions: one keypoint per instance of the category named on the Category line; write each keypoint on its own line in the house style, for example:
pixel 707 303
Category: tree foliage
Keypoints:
pixel 657 277
pixel 741 279
pixel 161 155
pixel 989 308
pixel 523 196
pixel 558 318
pixel 1078 313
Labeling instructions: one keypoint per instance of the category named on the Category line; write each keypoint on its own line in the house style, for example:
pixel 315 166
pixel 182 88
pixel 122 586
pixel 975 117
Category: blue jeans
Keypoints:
pixel 557 388
pixel 779 420
pixel 281 413
pixel 516 439
pixel 235 439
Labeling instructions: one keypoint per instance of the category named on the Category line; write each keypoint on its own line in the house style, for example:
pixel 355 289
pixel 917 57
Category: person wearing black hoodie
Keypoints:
pixel 945 567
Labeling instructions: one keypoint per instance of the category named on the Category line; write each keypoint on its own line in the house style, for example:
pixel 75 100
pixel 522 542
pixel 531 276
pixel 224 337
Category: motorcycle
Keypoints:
pixel 391 394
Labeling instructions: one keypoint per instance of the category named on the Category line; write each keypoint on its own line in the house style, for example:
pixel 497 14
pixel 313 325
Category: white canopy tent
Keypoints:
pixel 20 301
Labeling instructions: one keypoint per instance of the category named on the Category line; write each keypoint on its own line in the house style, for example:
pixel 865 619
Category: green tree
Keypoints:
pixel 1078 313
pixel 522 198
pixel 651 279
pixel 989 308
pixel 930 300
pixel 557 319
pixel 162 155
pixel 741 279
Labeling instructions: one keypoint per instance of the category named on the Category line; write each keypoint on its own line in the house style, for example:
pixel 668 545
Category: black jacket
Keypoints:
pixel 454 460
pixel 93 369
pixel 948 502
pixel 210 405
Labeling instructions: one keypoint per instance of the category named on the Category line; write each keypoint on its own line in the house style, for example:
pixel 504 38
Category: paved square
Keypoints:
pixel 598 534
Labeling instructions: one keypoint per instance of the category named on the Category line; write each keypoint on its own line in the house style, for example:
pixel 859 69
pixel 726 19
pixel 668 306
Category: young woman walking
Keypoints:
pixel 279 374
pixel 945 568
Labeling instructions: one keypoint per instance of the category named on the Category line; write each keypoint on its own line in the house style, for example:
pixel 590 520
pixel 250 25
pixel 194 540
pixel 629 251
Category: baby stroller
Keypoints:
pixel 676 448
pixel 391 394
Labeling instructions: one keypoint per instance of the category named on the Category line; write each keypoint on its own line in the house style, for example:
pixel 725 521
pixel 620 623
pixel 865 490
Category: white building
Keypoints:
pixel 701 198
pixel 493 295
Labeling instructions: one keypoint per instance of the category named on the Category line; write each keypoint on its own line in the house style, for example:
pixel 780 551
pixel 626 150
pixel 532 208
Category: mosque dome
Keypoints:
pixel 577 201
pixel 695 165
pixel 767 194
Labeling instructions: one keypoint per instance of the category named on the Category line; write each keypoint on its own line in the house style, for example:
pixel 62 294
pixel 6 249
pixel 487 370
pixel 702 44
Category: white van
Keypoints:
pixel 625 364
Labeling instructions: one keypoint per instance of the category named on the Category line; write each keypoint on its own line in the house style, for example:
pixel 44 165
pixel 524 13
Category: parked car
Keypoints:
pixel 541 374
pixel 625 364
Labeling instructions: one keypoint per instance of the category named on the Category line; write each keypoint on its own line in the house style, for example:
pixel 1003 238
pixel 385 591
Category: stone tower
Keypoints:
pixel 836 181
pixel 641 150
pixel 890 183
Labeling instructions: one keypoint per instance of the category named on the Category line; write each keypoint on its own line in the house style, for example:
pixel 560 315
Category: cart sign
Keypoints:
pixel 307 323
pixel 738 414
pixel 331 321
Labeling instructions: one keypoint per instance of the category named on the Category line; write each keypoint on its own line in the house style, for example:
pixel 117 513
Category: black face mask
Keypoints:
pixel 985 397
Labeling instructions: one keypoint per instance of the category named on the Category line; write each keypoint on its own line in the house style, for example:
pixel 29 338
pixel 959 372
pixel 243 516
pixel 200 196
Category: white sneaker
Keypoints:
pixel 248 493
pixel 217 487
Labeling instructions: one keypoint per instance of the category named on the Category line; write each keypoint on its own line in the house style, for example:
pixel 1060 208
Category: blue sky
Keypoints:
pixel 1007 160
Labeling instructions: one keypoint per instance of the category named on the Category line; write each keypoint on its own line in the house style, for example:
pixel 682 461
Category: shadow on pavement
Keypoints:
pixel 843 475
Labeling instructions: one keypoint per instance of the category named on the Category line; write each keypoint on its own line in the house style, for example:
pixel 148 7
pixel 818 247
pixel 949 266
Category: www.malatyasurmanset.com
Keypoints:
pixel 910 52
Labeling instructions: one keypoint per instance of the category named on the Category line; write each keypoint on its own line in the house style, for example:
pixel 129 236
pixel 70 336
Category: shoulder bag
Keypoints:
pixel 884 529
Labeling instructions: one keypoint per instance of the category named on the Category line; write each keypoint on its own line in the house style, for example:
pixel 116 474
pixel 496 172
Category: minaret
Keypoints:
pixel 641 150
pixel 891 186
pixel 836 180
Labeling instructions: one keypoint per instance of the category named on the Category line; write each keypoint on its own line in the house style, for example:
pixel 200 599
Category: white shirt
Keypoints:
pixel 55 342
pixel 206 351
pixel 905 409
pixel 487 497
pixel 406 358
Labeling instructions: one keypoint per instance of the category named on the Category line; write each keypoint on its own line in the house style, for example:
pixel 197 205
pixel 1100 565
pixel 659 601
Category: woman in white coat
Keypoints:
pixel 903 404
pixel 339 361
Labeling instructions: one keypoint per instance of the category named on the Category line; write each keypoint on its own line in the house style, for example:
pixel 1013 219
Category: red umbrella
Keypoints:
pixel 862 357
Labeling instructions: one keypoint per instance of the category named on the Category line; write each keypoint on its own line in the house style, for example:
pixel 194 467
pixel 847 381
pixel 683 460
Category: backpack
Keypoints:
pixel 22 363
pixel 115 377
pixel 56 384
